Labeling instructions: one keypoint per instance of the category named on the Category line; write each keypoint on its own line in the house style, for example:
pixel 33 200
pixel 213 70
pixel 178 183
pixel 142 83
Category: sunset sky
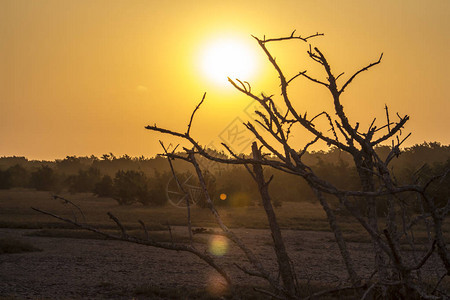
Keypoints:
pixel 85 77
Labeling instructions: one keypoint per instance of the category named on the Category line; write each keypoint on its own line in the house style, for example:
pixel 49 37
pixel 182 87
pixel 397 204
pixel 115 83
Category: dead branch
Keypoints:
pixel 348 261
pixel 313 79
pixel 147 237
pixel 131 239
pixel 193 113
pixel 248 253
pixel 358 72
pixel 180 186
pixel 424 259
pixel 66 201
pixel 122 229
pixel 292 37
pixel 284 263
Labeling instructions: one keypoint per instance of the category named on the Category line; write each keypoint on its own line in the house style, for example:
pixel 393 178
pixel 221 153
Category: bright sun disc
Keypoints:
pixel 228 58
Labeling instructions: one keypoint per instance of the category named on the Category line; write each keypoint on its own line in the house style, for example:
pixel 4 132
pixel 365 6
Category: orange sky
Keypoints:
pixel 85 77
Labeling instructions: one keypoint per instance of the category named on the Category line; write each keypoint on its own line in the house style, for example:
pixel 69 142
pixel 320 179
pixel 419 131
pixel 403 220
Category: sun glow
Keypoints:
pixel 228 57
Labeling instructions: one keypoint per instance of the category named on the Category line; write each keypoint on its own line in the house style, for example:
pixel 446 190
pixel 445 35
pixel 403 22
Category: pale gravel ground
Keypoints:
pixel 104 269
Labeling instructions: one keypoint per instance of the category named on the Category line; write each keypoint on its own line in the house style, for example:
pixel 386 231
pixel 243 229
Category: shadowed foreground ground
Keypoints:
pixel 96 269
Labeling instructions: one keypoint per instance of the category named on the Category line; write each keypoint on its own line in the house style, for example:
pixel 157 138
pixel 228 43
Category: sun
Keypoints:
pixel 228 57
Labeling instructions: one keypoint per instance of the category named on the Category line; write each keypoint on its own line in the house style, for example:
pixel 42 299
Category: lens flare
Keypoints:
pixel 216 285
pixel 218 245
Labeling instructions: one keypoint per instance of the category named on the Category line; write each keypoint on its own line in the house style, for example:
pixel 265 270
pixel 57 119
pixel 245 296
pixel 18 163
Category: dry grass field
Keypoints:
pixel 74 264
pixel 16 212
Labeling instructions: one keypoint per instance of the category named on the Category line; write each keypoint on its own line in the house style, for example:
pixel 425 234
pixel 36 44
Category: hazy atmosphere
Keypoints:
pixel 86 77
pixel 224 150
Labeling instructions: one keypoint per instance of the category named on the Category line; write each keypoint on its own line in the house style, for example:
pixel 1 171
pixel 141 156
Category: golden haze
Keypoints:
pixel 85 77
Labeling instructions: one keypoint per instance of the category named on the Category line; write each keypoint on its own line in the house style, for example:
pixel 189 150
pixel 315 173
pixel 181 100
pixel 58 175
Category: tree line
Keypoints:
pixel 143 180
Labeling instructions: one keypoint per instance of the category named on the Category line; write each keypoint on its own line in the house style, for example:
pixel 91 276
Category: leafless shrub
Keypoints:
pixel 394 274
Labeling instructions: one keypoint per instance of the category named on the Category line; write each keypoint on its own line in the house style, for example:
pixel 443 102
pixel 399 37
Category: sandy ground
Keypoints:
pixel 104 269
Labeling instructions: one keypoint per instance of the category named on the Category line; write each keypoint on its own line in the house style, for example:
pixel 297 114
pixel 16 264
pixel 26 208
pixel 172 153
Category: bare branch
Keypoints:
pixel 291 37
pixel 337 77
pixel 439 282
pixel 288 103
pixel 313 79
pixel 371 124
pixel 71 203
pixel 248 253
pixel 356 74
pixel 425 258
pixel 193 113
pixel 393 131
pixel 434 178
pixel 387 118
pixel 169 246
pixel 299 74
pixel 307 145
pixel 180 186
pixel 249 272
pixel 147 237
pixel 122 229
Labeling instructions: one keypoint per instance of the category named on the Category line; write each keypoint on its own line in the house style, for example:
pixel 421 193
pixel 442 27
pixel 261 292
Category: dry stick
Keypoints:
pixel 424 258
pixel 391 215
pixel 339 109
pixel 387 118
pixel 73 204
pixel 438 218
pixel 354 278
pixel 374 235
pixel 147 237
pixel 292 37
pixel 193 113
pixel 365 160
pixel 186 195
pixel 358 72
pixel 409 237
pixel 404 270
pixel 284 262
pixel 437 224
pixel 122 229
pixel 396 254
pixel 439 282
pixel 391 221
pixel 230 234
pixel 169 246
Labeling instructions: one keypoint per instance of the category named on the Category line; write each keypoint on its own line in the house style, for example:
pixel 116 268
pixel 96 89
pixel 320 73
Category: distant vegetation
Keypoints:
pixel 143 180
